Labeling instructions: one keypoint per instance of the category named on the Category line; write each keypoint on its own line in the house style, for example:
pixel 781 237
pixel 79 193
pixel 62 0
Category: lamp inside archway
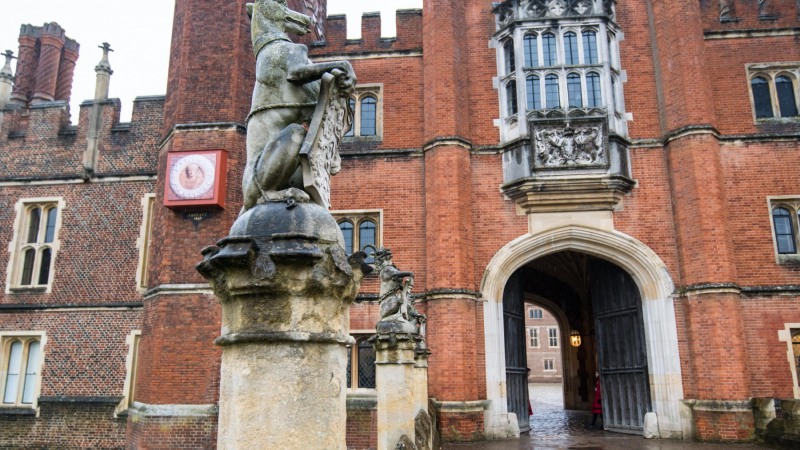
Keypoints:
pixel 575 338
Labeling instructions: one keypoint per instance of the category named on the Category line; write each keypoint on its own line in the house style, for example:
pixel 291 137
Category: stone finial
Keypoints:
pixel 6 79
pixel 103 70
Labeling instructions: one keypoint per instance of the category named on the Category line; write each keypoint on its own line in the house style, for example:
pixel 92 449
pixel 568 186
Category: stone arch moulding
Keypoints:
pixel 655 285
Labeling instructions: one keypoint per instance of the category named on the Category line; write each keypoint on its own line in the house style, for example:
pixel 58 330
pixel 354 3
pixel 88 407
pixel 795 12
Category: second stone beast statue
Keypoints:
pixel 285 97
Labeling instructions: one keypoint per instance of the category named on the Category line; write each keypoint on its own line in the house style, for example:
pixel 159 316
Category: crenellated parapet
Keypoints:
pixel 39 142
pixel 408 39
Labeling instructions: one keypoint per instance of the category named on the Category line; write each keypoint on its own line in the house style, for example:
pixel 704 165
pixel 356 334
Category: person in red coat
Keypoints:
pixel 597 406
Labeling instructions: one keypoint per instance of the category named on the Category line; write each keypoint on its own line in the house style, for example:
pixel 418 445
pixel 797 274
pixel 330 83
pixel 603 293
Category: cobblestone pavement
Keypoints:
pixel 554 428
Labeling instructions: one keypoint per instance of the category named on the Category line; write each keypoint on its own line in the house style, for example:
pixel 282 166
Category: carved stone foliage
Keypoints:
pixel 510 10
pixel 422 430
pixel 565 147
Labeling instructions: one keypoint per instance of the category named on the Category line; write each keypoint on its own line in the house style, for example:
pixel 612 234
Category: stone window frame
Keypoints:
pixel 133 341
pixel 561 69
pixel 362 91
pixel 360 336
pixel 27 337
pixel 552 364
pixel 785 335
pixel 22 208
pixel 607 66
pixel 533 336
pixel 792 204
pixel 551 338
pixel 144 241
pixel 357 217
pixel 770 72
pixel 535 313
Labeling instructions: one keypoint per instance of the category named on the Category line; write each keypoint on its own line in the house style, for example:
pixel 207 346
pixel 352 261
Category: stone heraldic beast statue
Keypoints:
pixel 298 113
pixel 398 314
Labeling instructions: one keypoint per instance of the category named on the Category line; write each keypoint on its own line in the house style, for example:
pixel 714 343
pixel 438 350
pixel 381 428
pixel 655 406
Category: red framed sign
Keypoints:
pixel 196 179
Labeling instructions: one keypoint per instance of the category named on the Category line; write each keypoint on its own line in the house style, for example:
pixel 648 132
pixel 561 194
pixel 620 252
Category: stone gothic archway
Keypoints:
pixel 656 288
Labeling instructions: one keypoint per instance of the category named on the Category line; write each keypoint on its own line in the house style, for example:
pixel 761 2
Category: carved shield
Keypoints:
pixel 320 154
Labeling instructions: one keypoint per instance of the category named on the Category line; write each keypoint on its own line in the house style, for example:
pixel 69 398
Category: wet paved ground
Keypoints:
pixel 554 428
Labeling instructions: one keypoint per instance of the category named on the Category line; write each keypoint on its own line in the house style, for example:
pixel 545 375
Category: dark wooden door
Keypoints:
pixel 516 356
pixel 621 350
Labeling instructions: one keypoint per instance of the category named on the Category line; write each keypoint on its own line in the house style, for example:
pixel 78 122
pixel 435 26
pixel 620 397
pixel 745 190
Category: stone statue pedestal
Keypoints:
pixel 286 286
pixel 401 381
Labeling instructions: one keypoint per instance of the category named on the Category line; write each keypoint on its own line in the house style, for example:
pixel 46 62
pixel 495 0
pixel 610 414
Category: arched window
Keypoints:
pixel 511 97
pixel 784 231
pixel 534 91
pixel 574 90
pixel 36 252
pixel 34 220
pixel 551 91
pixel 351 111
pixel 571 48
pixel 590 47
pixel 786 99
pixel 549 49
pixel 366 236
pixel 531 50
pixel 368 116
pixel 347 232
pixel 508 55
pixel 22 369
pixel 593 94
pixel 761 98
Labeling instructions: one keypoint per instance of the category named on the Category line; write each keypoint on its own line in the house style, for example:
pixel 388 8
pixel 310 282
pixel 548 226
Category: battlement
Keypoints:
pixel 409 35
pixel 39 142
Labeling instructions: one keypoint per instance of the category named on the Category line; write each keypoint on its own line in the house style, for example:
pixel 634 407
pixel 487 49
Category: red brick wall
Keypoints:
pixel 168 433
pixel 83 425
pixel 723 427
pixel 362 429
pixel 98 256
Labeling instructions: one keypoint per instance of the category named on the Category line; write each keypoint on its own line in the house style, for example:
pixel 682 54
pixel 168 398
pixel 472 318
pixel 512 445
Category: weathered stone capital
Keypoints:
pixel 282 275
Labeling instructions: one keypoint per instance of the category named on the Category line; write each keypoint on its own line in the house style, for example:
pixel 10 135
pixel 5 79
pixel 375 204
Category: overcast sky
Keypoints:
pixel 139 33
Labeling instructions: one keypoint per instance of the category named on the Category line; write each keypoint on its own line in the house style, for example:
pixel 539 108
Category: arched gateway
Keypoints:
pixel 655 287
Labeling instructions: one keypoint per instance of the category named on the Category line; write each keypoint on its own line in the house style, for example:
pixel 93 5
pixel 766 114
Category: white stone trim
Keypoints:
pixel 130 366
pixel 654 283
pixel 5 336
pixel 785 335
pixel 146 410
pixel 145 231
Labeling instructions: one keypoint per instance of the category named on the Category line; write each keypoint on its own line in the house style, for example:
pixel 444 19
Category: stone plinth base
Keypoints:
pixel 285 285
pixel 271 387
pixel 401 378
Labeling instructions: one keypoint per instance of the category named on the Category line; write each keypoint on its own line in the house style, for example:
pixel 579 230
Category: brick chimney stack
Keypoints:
pixel 51 44
pixel 66 70
pixel 6 80
pixel 46 65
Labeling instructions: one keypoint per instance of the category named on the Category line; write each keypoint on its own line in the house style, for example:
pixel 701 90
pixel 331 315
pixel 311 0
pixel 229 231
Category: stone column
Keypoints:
pixel 401 381
pixel 286 287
